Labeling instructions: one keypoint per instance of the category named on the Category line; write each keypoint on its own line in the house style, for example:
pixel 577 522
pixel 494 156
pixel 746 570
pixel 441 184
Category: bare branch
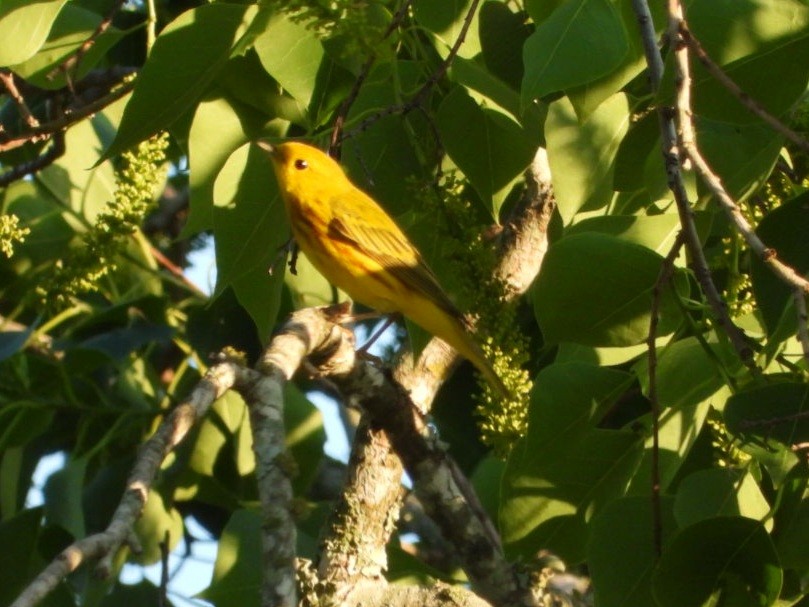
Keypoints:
pixel 345 106
pixel 663 279
pixel 671 155
pixel 71 64
pixel 418 97
pixel 171 431
pixel 56 151
pixel 803 320
pixel 44 131
pixel 786 273
pixel 744 98
pixel 7 79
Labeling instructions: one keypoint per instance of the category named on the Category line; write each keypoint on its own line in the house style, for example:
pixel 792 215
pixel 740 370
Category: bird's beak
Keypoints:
pixel 266 146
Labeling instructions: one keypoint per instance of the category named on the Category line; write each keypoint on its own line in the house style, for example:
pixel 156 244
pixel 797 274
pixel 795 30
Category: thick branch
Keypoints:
pixel 521 248
pixel 438 483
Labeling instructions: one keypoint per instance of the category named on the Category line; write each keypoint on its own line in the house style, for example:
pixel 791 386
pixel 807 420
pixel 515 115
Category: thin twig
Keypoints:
pixel 71 64
pixel 744 98
pixel 151 25
pixel 171 431
pixel 173 269
pixel 663 278
pixel 19 171
pixel 672 157
pixel 7 79
pixel 803 320
pixel 163 589
pixel 435 77
pixel 44 131
pixel 690 149
pixel 365 70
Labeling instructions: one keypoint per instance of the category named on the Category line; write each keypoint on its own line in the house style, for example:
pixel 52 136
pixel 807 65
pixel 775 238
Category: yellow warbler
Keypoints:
pixel 356 245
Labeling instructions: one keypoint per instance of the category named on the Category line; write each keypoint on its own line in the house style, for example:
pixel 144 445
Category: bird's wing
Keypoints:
pixel 376 235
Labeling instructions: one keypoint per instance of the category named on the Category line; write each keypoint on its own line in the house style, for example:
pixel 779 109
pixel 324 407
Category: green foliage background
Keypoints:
pixel 90 363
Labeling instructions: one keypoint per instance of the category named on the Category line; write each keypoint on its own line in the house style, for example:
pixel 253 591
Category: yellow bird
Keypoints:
pixel 356 245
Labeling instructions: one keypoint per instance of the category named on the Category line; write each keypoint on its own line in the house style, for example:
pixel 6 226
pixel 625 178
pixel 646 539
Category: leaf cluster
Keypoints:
pixel 581 454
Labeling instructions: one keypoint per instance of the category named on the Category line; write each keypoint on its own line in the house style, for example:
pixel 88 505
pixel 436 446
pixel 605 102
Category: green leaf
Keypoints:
pixel 158 523
pixel 446 19
pixel 232 125
pixel 22 421
pixel 705 372
pixel 741 155
pixel 588 97
pixel 18 566
pixel 72 28
pixel 77 180
pixel 484 87
pixel 596 289
pixel 566 468
pixel 488 147
pixel 776 79
pixel 767 24
pixel 642 139
pixel 502 35
pixel 186 57
pixel 775 411
pixel 120 342
pixel 292 54
pixel 784 230
pixel 580 42
pixel 217 431
pixel 621 555
pixel 719 492
pixel 767 57
pixel 250 230
pixel 63 497
pixel 655 232
pixel 684 405
pixel 305 436
pixel 236 577
pixel 581 155
pixel 487 480
pixel 245 81
pixel 719 561
pixel 792 525
pixel 27 24
pixel 309 288
pixel 381 160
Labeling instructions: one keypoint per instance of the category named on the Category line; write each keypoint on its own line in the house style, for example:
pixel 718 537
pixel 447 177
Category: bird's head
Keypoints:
pixel 300 167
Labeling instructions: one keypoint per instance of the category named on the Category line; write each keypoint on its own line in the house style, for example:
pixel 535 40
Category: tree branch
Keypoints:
pixel 56 151
pixel 663 279
pixel 7 79
pixel 72 62
pixel 171 431
pixel 345 106
pixel 689 147
pixel 44 131
pixel 418 97
pixel 744 98
pixel 671 155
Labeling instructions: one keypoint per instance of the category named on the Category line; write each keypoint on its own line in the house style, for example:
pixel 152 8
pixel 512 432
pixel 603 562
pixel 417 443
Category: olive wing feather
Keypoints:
pixel 376 235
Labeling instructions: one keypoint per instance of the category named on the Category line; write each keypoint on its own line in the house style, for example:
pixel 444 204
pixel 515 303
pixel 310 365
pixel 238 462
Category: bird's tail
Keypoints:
pixel 454 331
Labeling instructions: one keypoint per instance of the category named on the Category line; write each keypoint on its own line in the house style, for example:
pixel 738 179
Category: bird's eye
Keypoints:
pixel 301 164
